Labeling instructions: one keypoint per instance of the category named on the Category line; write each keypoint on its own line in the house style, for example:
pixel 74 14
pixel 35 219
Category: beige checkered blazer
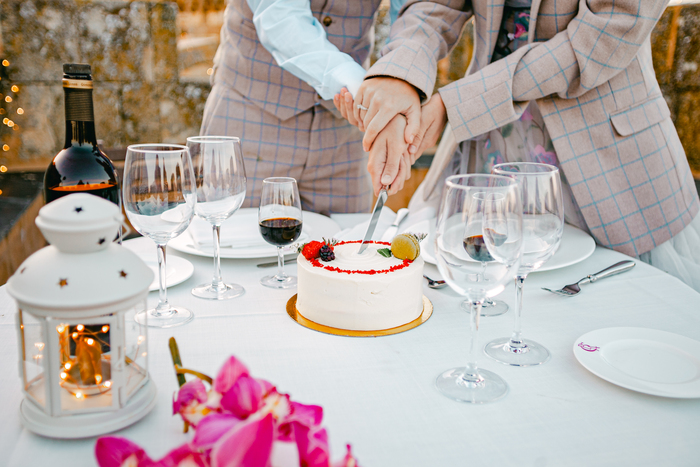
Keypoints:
pixel 589 68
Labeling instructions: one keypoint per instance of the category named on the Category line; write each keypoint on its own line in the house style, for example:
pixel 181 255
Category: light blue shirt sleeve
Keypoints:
pixel 299 45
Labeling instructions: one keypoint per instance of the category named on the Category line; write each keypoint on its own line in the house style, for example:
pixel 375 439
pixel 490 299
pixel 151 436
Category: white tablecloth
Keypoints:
pixel 378 393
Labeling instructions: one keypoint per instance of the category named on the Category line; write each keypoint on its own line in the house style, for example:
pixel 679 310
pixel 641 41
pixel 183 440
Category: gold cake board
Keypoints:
pixel 307 323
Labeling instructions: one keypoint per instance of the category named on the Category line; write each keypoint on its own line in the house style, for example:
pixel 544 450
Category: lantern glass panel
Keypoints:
pixel 136 349
pixel 33 357
pixel 85 363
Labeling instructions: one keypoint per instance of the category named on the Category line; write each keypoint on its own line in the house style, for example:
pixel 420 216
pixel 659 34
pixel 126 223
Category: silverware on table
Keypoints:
pixel 394 227
pixel 381 199
pixel 573 289
pixel 433 284
pixel 274 263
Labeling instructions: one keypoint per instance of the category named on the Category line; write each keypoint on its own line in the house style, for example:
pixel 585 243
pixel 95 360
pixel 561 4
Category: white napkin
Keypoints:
pixel 238 231
pixel 386 217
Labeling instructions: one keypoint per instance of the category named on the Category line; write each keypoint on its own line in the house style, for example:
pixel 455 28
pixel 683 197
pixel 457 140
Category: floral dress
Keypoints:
pixel 527 139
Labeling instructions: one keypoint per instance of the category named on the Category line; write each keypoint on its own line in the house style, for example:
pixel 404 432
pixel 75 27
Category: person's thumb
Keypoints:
pixel 412 123
pixel 391 169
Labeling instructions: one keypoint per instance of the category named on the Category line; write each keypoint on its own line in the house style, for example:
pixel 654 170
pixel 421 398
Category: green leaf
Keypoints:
pixel 385 252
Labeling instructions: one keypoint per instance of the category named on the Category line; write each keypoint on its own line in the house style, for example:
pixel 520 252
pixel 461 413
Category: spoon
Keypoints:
pixel 433 284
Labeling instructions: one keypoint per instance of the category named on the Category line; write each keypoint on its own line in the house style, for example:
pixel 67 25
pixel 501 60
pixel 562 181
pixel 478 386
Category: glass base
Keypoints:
pixel 225 292
pixel 489 308
pixel 528 354
pixel 178 317
pixel 490 387
pixel 279 282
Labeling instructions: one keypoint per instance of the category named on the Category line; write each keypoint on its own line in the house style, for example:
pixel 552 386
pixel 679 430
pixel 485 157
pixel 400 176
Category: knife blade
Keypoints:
pixel 381 199
pixel 394 228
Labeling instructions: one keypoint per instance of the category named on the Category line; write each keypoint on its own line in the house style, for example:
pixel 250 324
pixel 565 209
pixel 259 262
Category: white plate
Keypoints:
pixel 653 362
pixel 576 245
pixel 314 227
pixel 177 269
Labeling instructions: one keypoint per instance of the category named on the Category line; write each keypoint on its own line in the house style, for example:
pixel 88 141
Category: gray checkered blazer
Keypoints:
pixel 589 68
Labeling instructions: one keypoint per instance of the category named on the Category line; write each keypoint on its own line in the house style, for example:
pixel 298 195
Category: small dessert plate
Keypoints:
pixel 649 361
pixel 177 269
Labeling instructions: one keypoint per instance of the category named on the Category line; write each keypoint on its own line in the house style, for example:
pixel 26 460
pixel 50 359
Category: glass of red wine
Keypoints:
pixel 478 245
pixel 543 225
pixel 280 221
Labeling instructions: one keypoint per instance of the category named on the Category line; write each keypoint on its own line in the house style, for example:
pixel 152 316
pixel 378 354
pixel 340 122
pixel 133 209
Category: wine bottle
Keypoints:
pixel 81 167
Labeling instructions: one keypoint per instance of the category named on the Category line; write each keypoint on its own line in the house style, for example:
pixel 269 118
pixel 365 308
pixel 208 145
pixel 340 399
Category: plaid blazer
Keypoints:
pixel 589 68
pixel 242 63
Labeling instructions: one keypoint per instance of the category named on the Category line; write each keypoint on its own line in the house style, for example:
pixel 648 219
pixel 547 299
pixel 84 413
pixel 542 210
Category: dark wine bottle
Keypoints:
pixel 81 167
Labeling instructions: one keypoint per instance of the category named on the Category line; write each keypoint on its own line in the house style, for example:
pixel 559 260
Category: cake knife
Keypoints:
pixel 381 199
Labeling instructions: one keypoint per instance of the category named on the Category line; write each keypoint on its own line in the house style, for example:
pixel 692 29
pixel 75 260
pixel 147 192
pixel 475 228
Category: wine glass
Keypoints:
pixel 159 199
pixel 220 178
pixel 543 224
pixel 280 223
pixel 489 308
pixel 478 244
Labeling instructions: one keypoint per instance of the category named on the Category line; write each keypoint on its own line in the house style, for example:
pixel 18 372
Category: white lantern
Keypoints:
pixel 83 359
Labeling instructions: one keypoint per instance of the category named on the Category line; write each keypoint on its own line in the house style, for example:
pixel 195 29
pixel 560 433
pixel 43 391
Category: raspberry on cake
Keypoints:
pixel 367 292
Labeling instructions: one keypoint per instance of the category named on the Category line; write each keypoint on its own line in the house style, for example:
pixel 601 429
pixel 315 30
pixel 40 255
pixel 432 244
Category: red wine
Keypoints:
pixel 280 231
pixel 476 247
pixel 81 166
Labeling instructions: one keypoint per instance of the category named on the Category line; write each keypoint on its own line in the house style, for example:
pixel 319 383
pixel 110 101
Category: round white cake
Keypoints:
pixel 366 292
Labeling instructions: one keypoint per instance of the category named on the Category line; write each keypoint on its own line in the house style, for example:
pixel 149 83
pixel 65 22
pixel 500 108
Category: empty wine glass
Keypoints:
pixel 478 245
pixel 221 184
pixel 159 199
pixel 489 308
pixel 280 223
pixel 543 224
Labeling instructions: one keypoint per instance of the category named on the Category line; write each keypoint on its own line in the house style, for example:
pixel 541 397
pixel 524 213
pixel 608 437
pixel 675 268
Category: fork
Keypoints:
pixel 573 289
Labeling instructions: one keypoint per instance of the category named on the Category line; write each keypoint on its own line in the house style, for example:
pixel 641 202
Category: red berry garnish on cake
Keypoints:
pixel 326 253
pixel 312 250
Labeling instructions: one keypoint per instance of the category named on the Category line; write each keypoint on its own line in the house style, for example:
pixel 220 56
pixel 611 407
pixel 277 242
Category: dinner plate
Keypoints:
pixel 576 245
pixel 177 269
pixel 653 362
pixel 314 227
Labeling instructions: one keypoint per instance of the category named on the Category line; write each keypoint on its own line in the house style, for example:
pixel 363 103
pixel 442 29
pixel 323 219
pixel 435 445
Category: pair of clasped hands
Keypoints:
pixel 397 129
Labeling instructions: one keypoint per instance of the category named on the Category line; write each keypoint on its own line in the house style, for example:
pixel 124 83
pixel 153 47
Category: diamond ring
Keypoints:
pixel 362 107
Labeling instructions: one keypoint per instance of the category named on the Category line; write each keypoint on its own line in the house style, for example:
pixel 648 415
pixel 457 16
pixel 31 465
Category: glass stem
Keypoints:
pixel 516 343
pixel 280 265
pixel 471 374
pixel 163 308
pixel 217 283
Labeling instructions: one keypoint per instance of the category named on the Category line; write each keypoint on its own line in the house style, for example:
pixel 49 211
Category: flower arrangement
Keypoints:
pixel 240 421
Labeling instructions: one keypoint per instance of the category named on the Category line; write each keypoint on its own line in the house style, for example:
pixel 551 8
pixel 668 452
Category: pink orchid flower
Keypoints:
pixel 520 31
pixel 240 422
pixel 120 452
pixel 190 402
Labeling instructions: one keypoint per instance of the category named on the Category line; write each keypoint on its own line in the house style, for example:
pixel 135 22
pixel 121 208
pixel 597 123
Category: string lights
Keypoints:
pixel 8 96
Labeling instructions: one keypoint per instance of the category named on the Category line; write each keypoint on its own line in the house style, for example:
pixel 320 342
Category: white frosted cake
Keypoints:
pixel 367 292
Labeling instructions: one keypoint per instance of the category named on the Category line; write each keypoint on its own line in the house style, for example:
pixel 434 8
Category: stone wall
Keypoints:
pixel 132 47
pixel 150 70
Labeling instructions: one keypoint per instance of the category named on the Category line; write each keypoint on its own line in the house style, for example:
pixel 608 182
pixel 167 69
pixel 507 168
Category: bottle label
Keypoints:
pixel 77 83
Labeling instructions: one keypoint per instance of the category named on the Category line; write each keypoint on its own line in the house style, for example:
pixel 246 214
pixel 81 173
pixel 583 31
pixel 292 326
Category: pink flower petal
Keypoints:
pixel 249 444
pixel 228 374
pixel 312 444
pixel 243 398
pixel 267 387
pixel 191 391
pixel 184 456
pixel 111 451
pixel 306 414
pixel 212 427
pixel 347 461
